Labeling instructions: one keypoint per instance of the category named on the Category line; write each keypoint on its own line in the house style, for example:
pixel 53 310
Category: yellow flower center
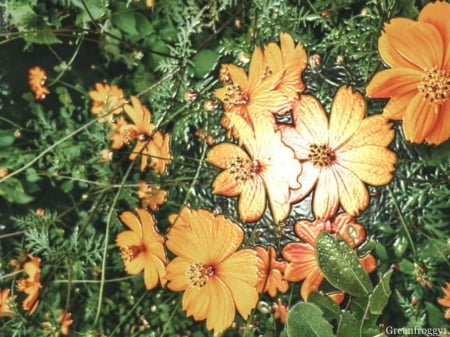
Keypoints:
pixel 128 133
pixel 243 169
pixel 321 155
pixel 435 85
pixel 129 253
pixel 199 274
pixel 234 95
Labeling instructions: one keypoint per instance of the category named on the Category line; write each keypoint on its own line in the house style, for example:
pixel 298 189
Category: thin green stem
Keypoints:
pixel 47 150
pixel 7 235
pixel 77 49
pixel 167 324
pixel 402 221
pixel 111 280
pixel 128 314
pixel 105 248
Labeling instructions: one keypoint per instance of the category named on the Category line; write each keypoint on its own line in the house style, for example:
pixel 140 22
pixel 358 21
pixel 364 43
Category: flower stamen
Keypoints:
pixel 435 85
pixel 129 253
pixel 199 274
pixel 234 95
pixel 321 155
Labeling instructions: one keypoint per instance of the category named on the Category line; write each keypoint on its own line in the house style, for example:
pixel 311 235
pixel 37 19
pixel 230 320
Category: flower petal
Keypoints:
pixel 239 273
pixel 132 222
pixel 326 195
pixel 372 164
pixel 420 118
pixel 394 82
pixel 252 201
pixel 347 111
pixel 441 130
pixel 353 193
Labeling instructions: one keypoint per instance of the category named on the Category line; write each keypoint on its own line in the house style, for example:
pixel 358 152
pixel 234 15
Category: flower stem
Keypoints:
pixel 105 248
pixel 402 221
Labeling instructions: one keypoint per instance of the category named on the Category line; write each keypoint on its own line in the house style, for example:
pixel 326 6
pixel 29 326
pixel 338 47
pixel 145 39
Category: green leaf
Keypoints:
pixel 330 309
pixel 6 138
pixel 126 22
pixel 306 320
pixel 380 295
pixel 348 326
pixel 12 190
pixel 340 265
pixel 204 62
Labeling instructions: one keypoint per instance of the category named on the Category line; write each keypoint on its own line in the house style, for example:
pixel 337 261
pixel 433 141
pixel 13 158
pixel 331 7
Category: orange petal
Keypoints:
pixel 132 222
pixel 352 191
pixel 419 119
pixel 437 14
pixel 395 82
pixel 175 273
pixel 347 111
pixel 372 164
pixel 239 273
pixel 224 155
pixel 154 270
pixel 441 130
pixel 252 202
pixel 311 283
pixel 326 195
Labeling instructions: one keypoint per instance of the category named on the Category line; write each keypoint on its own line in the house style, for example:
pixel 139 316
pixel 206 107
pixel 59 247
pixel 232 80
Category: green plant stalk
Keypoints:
pixel 402 221
pixel 47 150
pixel 105 248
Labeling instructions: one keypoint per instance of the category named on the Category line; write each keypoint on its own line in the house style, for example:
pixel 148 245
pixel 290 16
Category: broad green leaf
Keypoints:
pixel 348 326
pixel 306 320
pixel 204 62
pixel 6 138
pixel 340 265
pixel 329 308
pixel 12 190
pixel 126 22
pixel 380 295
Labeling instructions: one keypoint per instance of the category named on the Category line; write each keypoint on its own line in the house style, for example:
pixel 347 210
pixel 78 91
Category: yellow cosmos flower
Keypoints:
pixel 31 285
pixel 341 154
pixel 265 166
pixel 271 272
pixel 142 247
pixel 445 300
pixel 418 83
pixel 5 303
pixel 302 255
pixel 216 277
pixel 106 101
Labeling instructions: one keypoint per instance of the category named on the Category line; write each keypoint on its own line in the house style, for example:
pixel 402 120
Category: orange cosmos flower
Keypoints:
pixel 36 80
pixel 151 145
pixel 216 277
pixel 418 83
pixel 31 286
pixel 280 311
pixel 151 196
pixel 445 301
pixel 341 154
pixel 142 247
pixel 5 303
pixel 271 272
pixel 253 94
pixel 106 101
pixel 264 166
pixel 302 256
pixel 64 320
